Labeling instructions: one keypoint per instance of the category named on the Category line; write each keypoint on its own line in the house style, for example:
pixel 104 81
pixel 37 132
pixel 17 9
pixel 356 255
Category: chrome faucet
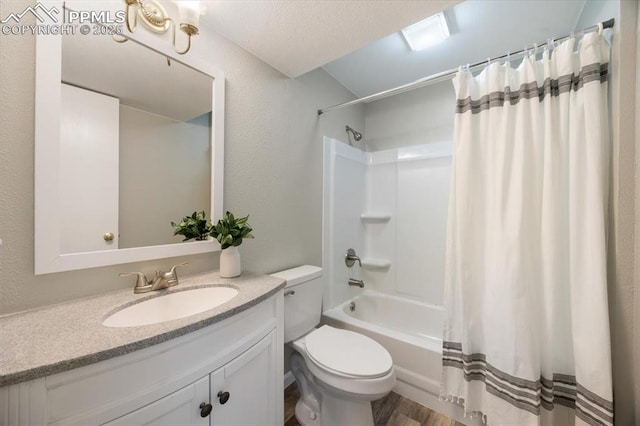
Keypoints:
pixel 356 283
pixel 350 258
pixel 161 281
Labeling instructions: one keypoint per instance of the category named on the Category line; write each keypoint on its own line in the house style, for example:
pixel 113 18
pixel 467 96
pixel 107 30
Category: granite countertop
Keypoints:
pixel 62 337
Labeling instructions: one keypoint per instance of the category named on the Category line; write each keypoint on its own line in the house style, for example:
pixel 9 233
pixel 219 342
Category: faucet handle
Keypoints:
pixel 141 281
pixel 173 268
pixel 350 258
pixel 172 276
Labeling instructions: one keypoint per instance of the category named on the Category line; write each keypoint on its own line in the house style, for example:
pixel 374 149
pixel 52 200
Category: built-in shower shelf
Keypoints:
pixel 375 217
pixel 375 263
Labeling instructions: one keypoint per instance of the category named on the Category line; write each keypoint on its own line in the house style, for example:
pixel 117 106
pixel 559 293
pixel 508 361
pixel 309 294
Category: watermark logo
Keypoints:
pixel 39 11
pixel 52 21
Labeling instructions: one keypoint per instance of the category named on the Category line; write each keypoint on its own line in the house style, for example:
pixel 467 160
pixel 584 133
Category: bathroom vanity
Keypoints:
pixel 61 365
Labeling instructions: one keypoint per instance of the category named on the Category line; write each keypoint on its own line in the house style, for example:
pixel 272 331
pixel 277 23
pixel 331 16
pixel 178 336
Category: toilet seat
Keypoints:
pixel 347 354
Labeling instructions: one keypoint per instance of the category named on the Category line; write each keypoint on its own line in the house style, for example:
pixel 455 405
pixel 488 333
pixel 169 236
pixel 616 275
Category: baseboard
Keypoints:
pixel 288 379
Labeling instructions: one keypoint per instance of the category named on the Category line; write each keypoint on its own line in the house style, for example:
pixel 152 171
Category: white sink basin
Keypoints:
pixel 171 306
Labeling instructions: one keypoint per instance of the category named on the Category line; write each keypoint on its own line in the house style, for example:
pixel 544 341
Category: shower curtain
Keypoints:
pixel 526 338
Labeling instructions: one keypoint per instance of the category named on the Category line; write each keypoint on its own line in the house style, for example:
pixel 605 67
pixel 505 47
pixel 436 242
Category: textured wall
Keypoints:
pixel 595 11
pixel 623 283
pixel 622 288
pixel 414 118
pixel 273 169
pixel 636 320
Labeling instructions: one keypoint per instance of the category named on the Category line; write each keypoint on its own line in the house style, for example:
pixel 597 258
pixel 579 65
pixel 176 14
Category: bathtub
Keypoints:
pixel 410 330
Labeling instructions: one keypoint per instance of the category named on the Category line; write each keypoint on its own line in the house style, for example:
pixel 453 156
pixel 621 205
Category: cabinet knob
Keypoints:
pixel 224 397
pixel 108 236
pixel 205 409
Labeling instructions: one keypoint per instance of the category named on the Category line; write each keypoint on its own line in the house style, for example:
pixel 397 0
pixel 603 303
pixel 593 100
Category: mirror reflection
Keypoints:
pixel 135 136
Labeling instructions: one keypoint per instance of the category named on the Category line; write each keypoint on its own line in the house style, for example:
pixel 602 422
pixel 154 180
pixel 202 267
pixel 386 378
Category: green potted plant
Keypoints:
pixel 196 226
pixel 230 232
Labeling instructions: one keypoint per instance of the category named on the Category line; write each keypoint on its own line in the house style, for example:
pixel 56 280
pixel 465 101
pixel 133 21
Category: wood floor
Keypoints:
pixel 392 410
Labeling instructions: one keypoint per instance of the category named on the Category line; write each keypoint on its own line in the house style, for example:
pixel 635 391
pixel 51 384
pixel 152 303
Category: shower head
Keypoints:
pixel 356 134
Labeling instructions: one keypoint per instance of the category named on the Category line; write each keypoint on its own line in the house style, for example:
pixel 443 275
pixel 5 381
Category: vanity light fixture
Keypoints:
pixel 156 19
pixel 427 32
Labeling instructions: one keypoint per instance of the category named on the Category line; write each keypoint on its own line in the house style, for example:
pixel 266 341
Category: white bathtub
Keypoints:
pixel 410 330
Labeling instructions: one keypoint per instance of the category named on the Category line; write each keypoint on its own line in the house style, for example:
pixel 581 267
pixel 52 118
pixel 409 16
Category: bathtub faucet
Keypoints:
pixel 356 283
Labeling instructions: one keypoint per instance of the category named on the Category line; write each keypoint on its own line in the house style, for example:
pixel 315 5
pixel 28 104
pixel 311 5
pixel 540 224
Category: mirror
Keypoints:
pixel 128 139
pixel 143 142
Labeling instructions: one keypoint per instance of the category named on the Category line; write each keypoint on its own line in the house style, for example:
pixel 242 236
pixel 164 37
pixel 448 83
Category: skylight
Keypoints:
pixel 427 32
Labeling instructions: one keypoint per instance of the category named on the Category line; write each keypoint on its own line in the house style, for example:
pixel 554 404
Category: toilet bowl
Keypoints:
pixel 338 372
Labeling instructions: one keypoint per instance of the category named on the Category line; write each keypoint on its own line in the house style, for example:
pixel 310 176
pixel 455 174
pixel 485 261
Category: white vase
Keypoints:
pixel 230 262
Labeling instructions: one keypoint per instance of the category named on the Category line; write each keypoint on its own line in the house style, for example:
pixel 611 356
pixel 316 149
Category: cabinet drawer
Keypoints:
pixel 109 389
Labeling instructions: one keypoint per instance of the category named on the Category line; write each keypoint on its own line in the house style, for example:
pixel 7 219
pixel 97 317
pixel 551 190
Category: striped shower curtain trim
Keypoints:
pixel 529 395
pixel 550 87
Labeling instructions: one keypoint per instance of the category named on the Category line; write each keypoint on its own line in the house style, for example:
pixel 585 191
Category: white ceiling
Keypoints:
pixel 296 36
pixel 479 29
pixel 356 41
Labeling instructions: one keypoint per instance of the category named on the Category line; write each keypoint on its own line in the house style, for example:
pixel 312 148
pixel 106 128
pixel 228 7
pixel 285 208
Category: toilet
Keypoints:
pixel 338 372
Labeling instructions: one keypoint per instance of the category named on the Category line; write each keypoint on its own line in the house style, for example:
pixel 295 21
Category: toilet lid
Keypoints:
pixel 348 353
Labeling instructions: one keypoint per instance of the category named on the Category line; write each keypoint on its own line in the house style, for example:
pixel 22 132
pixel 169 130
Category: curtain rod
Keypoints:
pixel 447 75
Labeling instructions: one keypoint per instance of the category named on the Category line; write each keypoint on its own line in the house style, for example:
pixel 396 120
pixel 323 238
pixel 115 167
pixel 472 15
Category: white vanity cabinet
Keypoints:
pixel 235 365
pixel 177 408
pixel 243 389
pixel 240 393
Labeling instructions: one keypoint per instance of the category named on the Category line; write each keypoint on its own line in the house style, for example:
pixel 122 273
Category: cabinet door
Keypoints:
pixel 179 408
pixel 250 381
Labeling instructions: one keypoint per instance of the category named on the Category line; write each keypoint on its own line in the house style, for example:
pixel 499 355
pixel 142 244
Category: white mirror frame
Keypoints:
pixel 48 255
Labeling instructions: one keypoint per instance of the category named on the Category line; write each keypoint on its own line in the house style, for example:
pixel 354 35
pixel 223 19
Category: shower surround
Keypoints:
pixel 391 207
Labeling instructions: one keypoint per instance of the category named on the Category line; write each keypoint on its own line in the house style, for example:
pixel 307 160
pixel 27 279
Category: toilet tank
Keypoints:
pixel 302 300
